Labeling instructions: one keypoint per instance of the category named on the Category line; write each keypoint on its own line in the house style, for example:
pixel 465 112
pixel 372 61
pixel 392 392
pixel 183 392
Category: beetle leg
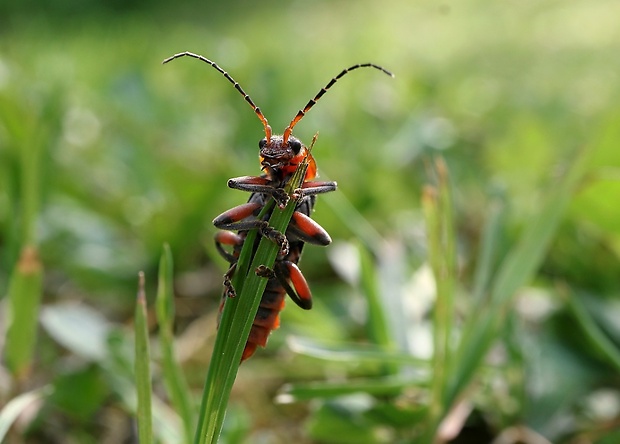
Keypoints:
pixel 275 236
pixel 242 218
pixel 264 271
pixel 235 218
pixel 229 290
pixel 308 230
pixel 257 184
pixel 313 188
pixel 228 238
pixel 288 273
pixel 252 184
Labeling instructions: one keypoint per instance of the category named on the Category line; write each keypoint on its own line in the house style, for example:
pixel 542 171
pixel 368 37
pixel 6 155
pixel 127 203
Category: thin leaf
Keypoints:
pixel 142 368
pixel 378 329
pixel 437 205
pixel 485 265
pixel 238 317
pixel 24 297
pixel 24 179
pixel 120 373
pixel 593 333
pixel 175 382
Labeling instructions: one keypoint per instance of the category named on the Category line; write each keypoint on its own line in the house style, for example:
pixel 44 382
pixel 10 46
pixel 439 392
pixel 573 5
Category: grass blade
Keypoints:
pixel 437 206
pixel 24 297
pixel 379 330
pixel 26 284
pixel 143 368
pixel 592 332
pixel 485 266
pixel 238 317
pixel 175 382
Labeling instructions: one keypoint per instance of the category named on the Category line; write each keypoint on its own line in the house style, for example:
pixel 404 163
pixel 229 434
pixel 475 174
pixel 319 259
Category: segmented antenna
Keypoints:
pixel 312 102
pixel 247 98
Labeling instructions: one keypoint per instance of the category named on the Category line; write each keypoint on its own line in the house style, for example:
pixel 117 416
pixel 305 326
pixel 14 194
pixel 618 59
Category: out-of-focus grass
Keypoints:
pixel 137 154
pixel 176 384
pixel 142 368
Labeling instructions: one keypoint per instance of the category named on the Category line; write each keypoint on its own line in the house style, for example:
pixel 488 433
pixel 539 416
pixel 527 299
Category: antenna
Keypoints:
pixel 312 102
pixel 247 98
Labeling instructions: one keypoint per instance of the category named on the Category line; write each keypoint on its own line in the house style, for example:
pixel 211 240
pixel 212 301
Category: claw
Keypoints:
pixel 276 237
pixel 298 194
pixel 264 271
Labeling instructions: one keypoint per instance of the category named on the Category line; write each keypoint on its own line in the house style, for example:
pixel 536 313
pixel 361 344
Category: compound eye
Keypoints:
pixel 295 145
pixel 262 143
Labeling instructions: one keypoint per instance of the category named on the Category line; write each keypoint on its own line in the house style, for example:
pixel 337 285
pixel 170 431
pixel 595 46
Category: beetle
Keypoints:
pixel 280 156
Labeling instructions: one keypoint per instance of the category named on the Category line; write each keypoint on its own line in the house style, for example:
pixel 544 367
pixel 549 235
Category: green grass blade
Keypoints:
pixel 142 368
pixel 30 184
pixel 515 271
pixel 230 308
pixel 24 297
pixel 437 206
pixel 26 283
pixel 233 341
pixel 378 329
pixel 445 316
pixel 215 394
pixel 175 382
pixel 237 320
pixel 486 263
pixel 593 333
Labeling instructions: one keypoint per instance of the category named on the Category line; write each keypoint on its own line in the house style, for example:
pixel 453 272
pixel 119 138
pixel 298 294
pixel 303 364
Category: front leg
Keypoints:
pixel 258 184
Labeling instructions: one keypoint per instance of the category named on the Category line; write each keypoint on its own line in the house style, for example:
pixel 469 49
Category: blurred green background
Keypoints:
pixel 132 154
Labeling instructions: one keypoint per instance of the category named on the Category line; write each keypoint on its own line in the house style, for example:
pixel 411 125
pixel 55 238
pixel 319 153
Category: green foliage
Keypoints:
pixel 507 267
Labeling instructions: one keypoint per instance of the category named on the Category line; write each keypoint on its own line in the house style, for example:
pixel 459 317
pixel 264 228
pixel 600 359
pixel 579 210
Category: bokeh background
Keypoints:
pixel 134 154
